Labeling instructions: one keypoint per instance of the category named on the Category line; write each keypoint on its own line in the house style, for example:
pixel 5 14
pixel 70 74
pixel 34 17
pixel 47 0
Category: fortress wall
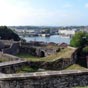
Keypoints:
pixel 58 64
pixel 12 66
pixel 15 65
pixel 36 51
pixel 13 49
pixel 8 57
pixel 50 79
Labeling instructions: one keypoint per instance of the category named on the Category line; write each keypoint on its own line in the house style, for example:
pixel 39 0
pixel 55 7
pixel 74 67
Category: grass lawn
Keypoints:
pixel 64 53
pixel 81 87
pixel 29 57
pixel 76 67
pixel 3 60
pixel 27 69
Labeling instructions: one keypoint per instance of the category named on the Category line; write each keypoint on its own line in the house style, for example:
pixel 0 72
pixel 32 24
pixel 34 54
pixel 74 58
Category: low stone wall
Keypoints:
pixel 28 50
pixel 41 51
pixel 12 66
pixel 50 79
pixel 15 66
pixel 58 64
pixel 8 57
pixel 13 49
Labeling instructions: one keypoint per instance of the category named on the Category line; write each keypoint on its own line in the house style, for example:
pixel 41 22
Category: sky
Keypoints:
pixel 44 12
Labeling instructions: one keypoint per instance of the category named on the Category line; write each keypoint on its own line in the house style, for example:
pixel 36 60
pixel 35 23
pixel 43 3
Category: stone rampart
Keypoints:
pixel 37 49
pixel 12 66
pixel 49 79
pixel 58 64
pixel 8 57
pixel 13 49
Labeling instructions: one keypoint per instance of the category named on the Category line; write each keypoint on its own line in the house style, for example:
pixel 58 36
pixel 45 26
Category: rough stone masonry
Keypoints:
pixel 49 79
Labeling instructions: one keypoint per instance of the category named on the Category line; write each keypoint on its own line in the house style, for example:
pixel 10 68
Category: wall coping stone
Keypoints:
pixel 41 74
pixel 11 63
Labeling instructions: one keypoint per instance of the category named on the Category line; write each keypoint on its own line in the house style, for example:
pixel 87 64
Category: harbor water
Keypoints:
pixel 54 38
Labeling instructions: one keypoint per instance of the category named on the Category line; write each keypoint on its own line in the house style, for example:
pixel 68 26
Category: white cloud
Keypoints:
pixel 20 14
pixel 86 5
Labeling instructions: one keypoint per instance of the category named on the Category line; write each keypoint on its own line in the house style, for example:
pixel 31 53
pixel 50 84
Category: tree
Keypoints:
pixel 85 50
pixel 7 34
pixel 79 39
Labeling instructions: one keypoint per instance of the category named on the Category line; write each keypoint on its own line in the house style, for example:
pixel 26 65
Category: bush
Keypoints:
pixel 79 39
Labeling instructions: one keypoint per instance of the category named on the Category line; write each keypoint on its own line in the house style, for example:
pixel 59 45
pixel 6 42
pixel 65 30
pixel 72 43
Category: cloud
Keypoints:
pixel 86 5
pixel 21 14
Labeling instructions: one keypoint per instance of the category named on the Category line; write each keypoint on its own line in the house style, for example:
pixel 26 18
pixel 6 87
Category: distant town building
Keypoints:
pixel 67 32
pixel 84 29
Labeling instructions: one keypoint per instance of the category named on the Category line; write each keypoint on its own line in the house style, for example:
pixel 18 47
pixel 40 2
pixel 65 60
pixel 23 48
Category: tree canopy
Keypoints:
pixel 79 39
pixel 7 34
pixel 85 50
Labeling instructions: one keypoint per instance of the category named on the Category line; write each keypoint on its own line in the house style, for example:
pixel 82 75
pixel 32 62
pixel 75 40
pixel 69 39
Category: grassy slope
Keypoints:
pixel 81 87
pixel 76 67
pixel 25 69
pixel 65 53
pixel 29 57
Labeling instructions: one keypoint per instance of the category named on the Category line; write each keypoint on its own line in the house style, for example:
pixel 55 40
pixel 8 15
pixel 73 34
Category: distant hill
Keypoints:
pixel 48 27
pixel 32 27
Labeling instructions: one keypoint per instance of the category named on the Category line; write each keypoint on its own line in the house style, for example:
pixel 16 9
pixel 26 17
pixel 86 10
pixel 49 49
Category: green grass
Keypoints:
pixel 76 67
pixel 3 60
pixel 27 69
pixel 29 57
pixel 81 87
pixel 64 53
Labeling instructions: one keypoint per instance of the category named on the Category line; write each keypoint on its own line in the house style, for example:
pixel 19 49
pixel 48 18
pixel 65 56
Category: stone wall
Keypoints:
pixel 13 49
pixel 43 52
pixel 58 64
pixel 15 66
pixel 12 66
pixel 33 48
pixel 37 49
pixel 8 57
pixel 50 79
pixel 28 50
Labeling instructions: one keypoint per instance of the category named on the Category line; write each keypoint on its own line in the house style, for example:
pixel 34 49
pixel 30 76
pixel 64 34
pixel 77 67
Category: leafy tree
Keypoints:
pixel 7 34
pixel 85 50
pixel 79 39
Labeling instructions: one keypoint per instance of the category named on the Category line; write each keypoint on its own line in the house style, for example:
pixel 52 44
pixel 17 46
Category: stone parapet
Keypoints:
pixel 49 79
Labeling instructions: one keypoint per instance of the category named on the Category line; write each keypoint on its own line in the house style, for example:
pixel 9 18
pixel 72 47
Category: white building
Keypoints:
pixel 24 31
pixel 30 31
pixel 67 31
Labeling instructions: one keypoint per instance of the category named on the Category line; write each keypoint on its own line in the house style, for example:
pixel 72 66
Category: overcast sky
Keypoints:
pixel 44 12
